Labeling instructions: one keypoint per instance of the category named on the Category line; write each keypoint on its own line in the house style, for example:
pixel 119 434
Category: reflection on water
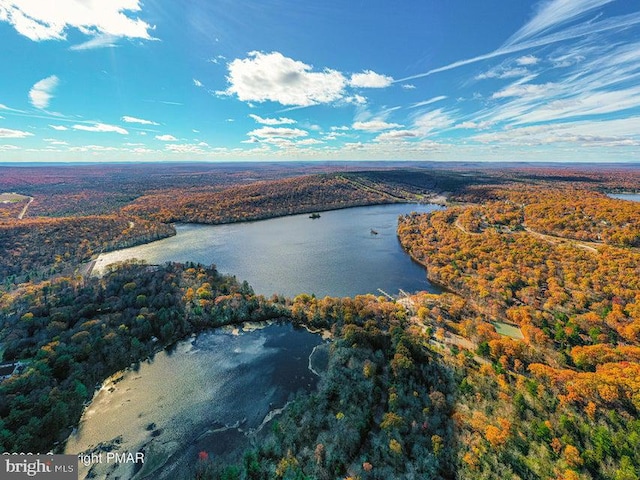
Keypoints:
pixel 203 396
pixel 336 254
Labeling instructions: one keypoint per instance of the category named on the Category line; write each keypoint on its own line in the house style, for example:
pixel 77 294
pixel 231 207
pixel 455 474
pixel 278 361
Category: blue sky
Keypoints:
pixel 157 80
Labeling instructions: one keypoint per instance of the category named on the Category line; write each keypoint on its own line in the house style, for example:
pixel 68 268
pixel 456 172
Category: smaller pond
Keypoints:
pixel 207 395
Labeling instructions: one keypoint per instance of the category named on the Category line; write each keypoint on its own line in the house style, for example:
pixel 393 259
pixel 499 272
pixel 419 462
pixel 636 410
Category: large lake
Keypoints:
pixel 336 254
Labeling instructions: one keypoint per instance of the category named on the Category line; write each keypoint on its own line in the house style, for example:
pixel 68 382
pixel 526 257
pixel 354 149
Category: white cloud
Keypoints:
pixel 408 86
pixel 522 90
pixel 272 121
pixel 605 81
pixel 266 132
pixel 99 41
pixel 192 148
pixel 605 133
pixel 552 14
pixel 101 128
pixel 48 20
pixel 92 148
pixel 502 72
pixel 474 125
pixel 369 79
pixel 375 125
pixel 339 128
pixel 396 135
pixel 166 138
pixel 273 77
pixel 42 92
pixel 60 128
pixel 8 133
pixel 432 121
pixel 197 83
pixel 532 35
pixel 429 102
pixel 141 121
pixel 527 60
pixel 356 99
pixel 309 141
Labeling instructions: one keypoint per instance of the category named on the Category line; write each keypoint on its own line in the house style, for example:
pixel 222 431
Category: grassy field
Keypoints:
pixel 508 330
pixel 12 198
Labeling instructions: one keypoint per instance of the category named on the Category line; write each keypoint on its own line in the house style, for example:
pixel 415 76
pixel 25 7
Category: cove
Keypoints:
pixel 209 394
pixel 343 253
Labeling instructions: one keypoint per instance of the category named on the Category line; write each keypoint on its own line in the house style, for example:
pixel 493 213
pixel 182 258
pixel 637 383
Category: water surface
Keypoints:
pixel 634 197
pixel 206 395
pixel 336 254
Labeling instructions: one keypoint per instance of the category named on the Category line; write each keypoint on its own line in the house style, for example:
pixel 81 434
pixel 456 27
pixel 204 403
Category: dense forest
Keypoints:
pixel 527 368
pixel 36 248
pixel 568 393
pixel 73 333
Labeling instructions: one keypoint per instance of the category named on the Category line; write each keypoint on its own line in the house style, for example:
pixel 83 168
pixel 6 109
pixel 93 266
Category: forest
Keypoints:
pixel 421 387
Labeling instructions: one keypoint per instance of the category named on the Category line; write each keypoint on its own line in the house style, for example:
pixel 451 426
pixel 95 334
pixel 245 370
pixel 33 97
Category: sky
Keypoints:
pixel 226 80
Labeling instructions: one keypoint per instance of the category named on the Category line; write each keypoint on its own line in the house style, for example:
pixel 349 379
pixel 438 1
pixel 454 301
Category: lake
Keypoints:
pixel 336 254
pixel 634 197
pixel 205 395
pixel 213 389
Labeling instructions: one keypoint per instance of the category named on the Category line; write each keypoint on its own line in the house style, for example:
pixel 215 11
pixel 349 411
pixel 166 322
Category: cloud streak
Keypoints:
pixel 100 128
pixel 528 40
pixel 141 121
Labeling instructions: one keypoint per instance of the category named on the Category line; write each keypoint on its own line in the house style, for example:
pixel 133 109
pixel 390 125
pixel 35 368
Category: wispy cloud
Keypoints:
pixel 527 60
pixel 100 128
pixel 540 31
pixel 9 133
pixel 606 81
pixel 141 121
pixel 198 83
pixel 433 121
pixel 60 128
pixel 42 92
pixel 266 132
pixel 99 41
pixel 503 72
pixel 272 121
pixel 552 14
pixel 606 133
pixel 98 18
pixel 429 102
pixel 375 125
